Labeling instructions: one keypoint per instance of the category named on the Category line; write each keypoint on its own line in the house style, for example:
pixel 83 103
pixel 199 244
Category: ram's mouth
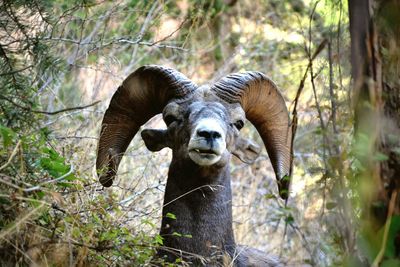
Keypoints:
pixel 204 151
pixel 204 157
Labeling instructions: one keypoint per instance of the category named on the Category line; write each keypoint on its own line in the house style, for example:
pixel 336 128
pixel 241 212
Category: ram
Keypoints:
pixel 203 124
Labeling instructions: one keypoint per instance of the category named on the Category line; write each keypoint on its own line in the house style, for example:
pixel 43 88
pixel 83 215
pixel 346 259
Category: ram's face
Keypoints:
pixel 206 131
pixel 203 122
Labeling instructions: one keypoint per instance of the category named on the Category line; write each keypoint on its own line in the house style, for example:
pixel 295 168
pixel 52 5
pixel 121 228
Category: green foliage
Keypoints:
pixel 7 135
pixel 54 164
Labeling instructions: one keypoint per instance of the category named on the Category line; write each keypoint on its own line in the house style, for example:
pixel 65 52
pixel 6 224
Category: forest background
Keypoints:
pixel 61 61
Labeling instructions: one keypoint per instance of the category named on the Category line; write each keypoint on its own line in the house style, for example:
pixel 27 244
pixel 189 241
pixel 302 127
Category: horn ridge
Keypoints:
pixel 142 95
pixel 265 108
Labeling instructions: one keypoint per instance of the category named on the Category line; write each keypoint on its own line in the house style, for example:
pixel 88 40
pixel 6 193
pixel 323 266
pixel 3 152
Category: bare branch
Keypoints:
pixel 15 71
pixel 50 112
pixel 58 179
pixel 66 109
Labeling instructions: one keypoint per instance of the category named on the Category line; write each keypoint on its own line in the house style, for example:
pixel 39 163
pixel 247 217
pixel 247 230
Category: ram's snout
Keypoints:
pixel 207 142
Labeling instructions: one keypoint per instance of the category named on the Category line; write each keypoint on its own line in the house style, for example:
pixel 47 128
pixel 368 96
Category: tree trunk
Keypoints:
pixel 375 34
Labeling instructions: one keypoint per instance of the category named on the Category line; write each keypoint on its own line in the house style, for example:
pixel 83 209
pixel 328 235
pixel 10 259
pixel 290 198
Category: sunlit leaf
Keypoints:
pixel 159 239
pixel 170 215
pixel 176 234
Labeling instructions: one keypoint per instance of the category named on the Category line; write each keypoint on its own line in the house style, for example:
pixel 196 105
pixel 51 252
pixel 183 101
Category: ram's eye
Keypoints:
pixel 170 119
pixel 239 124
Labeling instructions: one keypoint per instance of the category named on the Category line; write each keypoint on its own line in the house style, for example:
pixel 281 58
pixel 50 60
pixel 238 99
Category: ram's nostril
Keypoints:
pixel 209 134
pixel 216 135
pixel 205 134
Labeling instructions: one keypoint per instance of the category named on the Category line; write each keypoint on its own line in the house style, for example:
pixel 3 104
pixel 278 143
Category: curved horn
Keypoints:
pixel 265 108
pixel 141 96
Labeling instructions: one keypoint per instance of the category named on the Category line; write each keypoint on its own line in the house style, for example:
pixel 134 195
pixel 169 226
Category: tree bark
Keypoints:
pixel 375 34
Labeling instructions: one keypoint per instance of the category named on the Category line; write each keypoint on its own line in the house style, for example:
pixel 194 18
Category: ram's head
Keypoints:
pixel 203 123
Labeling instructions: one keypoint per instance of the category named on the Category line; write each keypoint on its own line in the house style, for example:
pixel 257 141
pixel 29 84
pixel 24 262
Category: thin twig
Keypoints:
pixel 172 33
pixel 143 29
pixel 332 94
pixel 305 242
pixel 115 41
pixel 15 71
pixel 14 152
pixel 76 137
pixel 26 199
pixel 7 60
pixel 66 109
pixel 10 184
pixel 39 186
pixel 50 112
pixel 197 188
pixel 321 46
pixel 319 49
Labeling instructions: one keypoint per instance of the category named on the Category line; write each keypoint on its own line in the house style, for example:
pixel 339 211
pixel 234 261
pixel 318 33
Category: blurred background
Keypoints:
pixel 62 60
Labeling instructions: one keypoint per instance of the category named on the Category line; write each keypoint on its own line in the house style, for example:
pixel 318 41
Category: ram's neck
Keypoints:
pixel 200 200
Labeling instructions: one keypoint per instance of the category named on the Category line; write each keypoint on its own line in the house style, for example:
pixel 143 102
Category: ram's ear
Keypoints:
pixel 246 150
pixel 155 139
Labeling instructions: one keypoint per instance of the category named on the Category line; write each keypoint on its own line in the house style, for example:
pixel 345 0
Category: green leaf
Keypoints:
pixel 7 134
pixel 283 192
pixel 270 196
pixel 40 194
pixel 159 239
pixel 170 215
pixel 176 234
pixel 146 221
pixel 54 164
pixel 289 219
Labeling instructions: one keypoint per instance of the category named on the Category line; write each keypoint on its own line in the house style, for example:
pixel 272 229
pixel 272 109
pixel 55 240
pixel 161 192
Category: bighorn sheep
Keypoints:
pixel 203 126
